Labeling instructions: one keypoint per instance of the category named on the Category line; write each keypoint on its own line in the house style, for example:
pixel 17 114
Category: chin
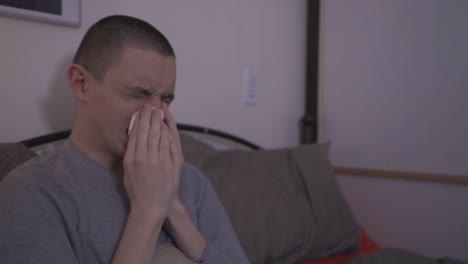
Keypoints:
pixel 120 146
pixel 120 153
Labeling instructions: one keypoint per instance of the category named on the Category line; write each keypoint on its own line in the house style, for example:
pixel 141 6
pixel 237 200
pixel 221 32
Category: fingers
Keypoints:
pixel 150 165
pixel 176 155
pixel 172 126
pixel 143 124
pixel 154 136
pixel 165 144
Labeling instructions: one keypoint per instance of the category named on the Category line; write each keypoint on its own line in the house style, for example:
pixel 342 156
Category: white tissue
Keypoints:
pixel 134 116
pixel 132 121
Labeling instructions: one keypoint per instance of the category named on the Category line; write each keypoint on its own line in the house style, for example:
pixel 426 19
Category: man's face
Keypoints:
pixel 139 76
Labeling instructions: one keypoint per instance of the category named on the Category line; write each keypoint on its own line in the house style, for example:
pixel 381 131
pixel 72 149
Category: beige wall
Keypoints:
pixel 214 41
pixel 393 96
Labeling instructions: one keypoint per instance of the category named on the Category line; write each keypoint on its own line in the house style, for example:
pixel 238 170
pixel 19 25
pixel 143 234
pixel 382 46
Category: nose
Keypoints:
pixel 155 100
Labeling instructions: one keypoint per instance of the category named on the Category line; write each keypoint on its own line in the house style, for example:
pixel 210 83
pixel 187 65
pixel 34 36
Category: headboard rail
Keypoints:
pixel 61 135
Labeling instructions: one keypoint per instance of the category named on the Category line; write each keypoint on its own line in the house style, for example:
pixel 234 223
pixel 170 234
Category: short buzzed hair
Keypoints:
pixel 104 41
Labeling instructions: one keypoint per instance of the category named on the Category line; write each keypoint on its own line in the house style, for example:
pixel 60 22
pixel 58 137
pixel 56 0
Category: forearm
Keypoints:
pixel 186 235
pixel 139 238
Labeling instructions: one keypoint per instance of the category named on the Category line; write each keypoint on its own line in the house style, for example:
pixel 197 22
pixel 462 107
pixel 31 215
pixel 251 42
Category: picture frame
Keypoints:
pixel 63 12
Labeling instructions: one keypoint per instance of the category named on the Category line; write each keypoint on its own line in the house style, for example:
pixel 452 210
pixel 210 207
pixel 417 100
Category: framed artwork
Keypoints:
pixel 64 12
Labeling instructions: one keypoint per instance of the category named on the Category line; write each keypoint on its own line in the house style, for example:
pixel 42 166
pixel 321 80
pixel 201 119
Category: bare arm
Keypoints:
pixel 185 233
pixel 138 239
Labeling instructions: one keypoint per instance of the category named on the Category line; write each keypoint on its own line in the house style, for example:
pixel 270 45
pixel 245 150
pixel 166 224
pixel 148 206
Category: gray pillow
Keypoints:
pixel 12 155
pixel 193 149
pixel 284 204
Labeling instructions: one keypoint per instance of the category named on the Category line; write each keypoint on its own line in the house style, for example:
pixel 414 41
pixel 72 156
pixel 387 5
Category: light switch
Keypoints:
pixel 250 86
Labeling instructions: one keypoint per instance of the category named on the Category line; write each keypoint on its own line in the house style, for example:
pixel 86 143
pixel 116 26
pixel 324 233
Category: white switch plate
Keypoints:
pixel 250 86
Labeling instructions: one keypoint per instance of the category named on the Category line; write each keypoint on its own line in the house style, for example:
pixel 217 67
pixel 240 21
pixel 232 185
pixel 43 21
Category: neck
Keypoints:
pixel 88 145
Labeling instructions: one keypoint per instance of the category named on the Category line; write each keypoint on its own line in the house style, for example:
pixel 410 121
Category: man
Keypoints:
pixel 111 194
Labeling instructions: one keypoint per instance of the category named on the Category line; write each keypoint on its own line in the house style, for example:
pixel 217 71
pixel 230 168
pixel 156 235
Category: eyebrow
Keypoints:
pixel 145 90
pixel 139 89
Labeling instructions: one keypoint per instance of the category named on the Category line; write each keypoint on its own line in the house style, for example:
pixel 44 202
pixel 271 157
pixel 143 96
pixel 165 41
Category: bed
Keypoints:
pixel 285 204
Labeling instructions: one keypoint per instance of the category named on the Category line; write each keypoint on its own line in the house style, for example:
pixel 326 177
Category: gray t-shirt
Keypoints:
pixel 66 208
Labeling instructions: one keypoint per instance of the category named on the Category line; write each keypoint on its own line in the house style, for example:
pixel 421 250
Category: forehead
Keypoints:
pixel 143 68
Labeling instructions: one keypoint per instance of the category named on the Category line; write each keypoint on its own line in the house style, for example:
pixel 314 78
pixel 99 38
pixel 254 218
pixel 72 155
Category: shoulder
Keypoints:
pixel 193 176
pixel 36 178
pixel 34 170
pixel 37 213
pixel 194 185
pixel 37 165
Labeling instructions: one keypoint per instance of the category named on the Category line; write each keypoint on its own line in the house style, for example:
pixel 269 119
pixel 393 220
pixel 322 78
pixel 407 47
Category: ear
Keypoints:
pixel 78 80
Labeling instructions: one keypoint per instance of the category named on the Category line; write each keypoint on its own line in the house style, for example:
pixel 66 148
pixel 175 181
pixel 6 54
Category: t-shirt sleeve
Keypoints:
pixel 33 228
pixel 223 245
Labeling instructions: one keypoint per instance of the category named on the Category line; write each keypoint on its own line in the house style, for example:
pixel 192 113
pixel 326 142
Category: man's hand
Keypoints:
pixel 186 235
pixel 151 184
pixel 176 151
pixel 151 167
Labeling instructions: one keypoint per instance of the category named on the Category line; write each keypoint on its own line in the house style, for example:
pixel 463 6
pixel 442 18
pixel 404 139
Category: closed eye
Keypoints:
pixel 141 92
pixel 167 98
pixel 136 92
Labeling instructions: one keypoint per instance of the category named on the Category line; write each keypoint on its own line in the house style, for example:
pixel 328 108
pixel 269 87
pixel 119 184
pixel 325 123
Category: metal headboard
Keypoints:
pixel 36 141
